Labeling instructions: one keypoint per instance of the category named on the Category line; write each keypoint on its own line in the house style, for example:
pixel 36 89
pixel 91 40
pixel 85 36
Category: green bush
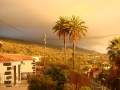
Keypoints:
pixel 53 78
pixel 57 75
pixel 43 83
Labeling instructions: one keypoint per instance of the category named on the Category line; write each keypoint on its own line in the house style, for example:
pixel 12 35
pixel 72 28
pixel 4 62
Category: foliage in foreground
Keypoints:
pixel 113 80
pixel 59 77
pixel 41 83
pixel 52 79
pixel 114 50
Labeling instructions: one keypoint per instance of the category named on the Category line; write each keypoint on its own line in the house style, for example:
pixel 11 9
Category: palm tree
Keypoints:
pixel 114 56
pixel 76 32
pixel 62 29
pixel 114 50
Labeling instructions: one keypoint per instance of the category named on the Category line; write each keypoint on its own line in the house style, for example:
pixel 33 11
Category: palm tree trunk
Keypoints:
pixel 65 48
pixel 73 55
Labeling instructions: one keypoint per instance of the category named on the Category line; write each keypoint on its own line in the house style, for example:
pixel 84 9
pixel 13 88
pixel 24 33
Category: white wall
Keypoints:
pixel 25 66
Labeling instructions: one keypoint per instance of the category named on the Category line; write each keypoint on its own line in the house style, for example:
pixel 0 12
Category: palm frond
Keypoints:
pixel 114 49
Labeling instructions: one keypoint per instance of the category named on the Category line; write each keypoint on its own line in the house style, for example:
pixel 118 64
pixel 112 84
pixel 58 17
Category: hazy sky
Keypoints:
pixel 34 17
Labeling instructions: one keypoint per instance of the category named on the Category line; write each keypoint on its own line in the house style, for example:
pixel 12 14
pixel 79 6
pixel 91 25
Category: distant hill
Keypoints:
pixel 54 54
pixel 33 48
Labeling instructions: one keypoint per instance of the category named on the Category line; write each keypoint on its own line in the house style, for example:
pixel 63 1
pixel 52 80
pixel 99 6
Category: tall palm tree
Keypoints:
pixel 62 29
pixel 114 50
pixel 77 31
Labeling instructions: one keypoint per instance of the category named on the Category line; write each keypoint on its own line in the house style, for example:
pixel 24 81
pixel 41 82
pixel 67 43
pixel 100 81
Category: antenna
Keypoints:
pixel 45 39
pixel 45 42
pixel 1 43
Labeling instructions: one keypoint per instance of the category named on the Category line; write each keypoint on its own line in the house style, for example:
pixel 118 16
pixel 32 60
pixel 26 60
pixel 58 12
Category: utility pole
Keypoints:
pixel 45 42
pixel 1 43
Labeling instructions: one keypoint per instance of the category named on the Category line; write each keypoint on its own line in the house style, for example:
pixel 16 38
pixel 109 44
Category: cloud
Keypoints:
pixel 32 18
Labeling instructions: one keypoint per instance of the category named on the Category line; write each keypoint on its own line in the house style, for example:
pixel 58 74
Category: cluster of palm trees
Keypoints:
pixel 70 27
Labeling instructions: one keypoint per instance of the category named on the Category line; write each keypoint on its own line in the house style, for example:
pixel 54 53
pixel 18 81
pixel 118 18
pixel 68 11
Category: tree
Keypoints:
pixel 78 80
pixel 76 32
pixel 114 50
pixel 62 29
pixel 57 75
pixel 40 83
pixel 114 56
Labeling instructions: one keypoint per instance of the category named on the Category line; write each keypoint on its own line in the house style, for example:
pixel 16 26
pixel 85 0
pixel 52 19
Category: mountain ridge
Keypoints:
pixel 26 46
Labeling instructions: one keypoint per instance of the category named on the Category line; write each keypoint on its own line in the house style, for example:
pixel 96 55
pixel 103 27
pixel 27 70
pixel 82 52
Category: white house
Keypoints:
pixel 14 68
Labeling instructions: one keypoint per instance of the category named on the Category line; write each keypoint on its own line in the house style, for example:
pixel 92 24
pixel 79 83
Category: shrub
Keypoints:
pixel 57 75
pixel 43 83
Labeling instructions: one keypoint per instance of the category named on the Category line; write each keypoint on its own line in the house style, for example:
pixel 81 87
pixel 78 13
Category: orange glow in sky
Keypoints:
pixel 101 16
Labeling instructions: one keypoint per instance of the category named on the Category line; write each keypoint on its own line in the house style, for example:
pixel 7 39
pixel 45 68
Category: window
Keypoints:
pixel 33 63
pixel 7 73
pixel 34 70
pixel 6 64
pixel 33 67
pixel 9 68
pixel 9 77
pixel 7 82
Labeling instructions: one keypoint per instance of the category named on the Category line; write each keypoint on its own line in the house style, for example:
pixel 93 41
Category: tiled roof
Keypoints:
pixel 14 57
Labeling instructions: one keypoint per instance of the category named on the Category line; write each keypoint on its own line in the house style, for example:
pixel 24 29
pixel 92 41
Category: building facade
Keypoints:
pixel 15 69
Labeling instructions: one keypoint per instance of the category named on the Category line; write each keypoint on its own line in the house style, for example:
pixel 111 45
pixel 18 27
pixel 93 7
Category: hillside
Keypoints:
pixel 84 58
pixel 30 48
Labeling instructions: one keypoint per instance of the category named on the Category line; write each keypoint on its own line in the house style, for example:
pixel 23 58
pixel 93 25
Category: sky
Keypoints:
pixel 30 19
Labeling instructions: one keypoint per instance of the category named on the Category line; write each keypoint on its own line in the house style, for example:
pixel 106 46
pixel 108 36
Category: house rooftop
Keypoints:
pixel 14 57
